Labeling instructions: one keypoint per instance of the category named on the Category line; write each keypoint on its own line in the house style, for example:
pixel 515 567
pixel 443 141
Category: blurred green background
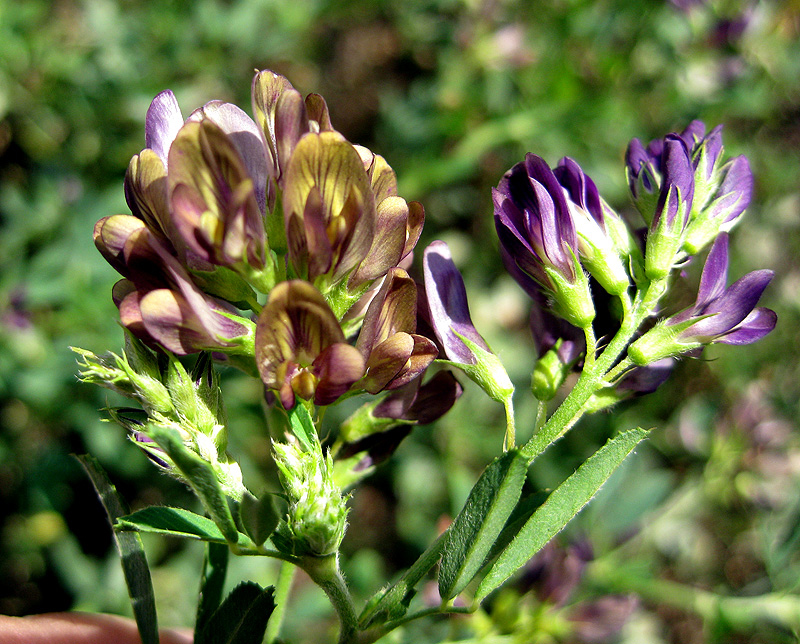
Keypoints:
pixel 451 93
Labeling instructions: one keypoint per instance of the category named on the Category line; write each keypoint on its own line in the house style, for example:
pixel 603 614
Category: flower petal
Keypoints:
pixel 337 367
pixel 245 136
pixel 754 327
pixel 162 123
pixel 715 273
pixel 447 303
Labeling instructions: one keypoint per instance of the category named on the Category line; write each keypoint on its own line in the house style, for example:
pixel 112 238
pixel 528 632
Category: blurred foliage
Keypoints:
pixel 452 93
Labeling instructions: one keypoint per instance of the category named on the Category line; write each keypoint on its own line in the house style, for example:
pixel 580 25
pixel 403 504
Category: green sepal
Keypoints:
pixel 226 284
pixel 483 517
pixel 662 341
pixel 560 508
pixel 302 426
pixel 487 372
pixel 200 476
pixel 572 300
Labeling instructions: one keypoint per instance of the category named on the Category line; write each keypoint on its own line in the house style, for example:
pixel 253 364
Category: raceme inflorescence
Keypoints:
pixel 274 246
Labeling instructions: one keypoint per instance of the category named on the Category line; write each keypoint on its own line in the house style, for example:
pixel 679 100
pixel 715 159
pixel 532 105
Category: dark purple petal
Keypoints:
pixel 162 123
pixel 713 148
pixel 693 133
pixel 736 188
pixel 635 158
pixel 645 380
pixel 447 303
pixel 677 186
pixel 754 327
pixel 580 188
pixel 715 273
pixel 733 306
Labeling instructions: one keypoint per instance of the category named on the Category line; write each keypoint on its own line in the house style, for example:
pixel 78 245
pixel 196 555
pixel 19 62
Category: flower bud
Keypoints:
pixel 317 513
pixel 666 233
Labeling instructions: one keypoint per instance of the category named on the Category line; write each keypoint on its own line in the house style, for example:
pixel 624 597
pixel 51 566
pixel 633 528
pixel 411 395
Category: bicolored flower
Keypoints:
pixel 158 301
pixel 394 354
pixel 720 314
pixel 538 233
pixel 300 348
pixel 212 197
pixel 398 224
pixel 329 208
pixel 449 317
pixel 283 117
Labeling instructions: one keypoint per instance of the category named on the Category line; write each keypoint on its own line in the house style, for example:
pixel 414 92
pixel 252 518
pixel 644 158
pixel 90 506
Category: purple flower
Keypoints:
pixel 666 233
pixel 534 223
pixel 537 232
pixel 450 319
pixel 604 242
pixel 728 315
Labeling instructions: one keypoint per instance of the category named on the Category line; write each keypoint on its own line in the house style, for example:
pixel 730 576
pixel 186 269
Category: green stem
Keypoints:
pixel 324 571
pixel 591 378
pixel 739 613
pixel 285 577
pixel 511 431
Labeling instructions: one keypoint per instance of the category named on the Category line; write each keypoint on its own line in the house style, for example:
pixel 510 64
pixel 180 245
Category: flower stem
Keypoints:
pixel 285 577
pixel 592 376
pixel 324 571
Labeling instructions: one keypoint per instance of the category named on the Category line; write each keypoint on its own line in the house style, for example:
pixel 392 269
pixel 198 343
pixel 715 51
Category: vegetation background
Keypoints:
pixel 451 93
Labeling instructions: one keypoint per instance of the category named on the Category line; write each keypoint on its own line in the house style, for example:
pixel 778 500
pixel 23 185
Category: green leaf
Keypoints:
pixel 302 426
pixel 215 567
pixel 242 618
pixel 559 509
pixel 175 522
pixel 201 478
pixel 259 517
pixel 477 526
pixel 131 551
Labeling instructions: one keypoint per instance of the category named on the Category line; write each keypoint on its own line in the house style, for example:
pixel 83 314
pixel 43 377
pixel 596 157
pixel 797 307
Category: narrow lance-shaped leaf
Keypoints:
pixel 559 509
pixel 131 551
pixel 200 476
pixel 175 522
pixel 477 526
